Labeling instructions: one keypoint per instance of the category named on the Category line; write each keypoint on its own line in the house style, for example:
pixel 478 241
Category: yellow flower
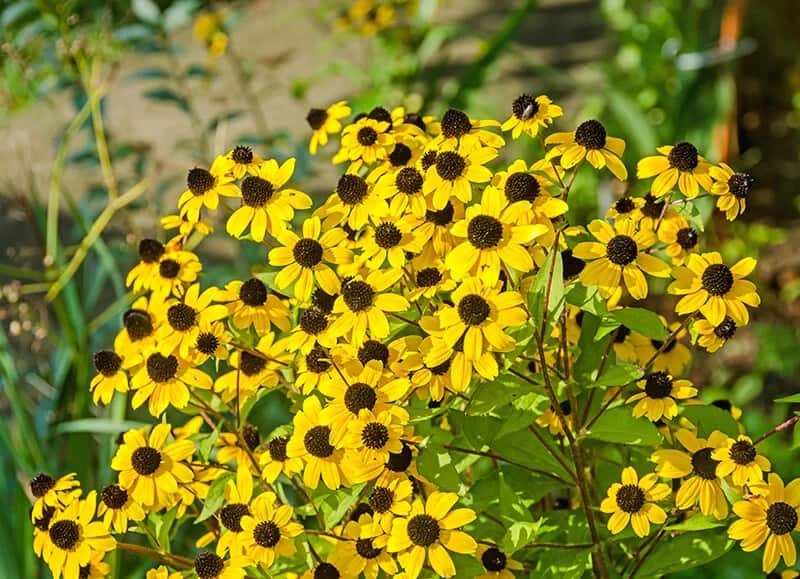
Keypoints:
pixel 391 239
pixel 589 141
pixel 185 227
pixel 269 530
pixel 304 260
pixel 212 342
pixel 681 239
pixel 405 188
pixel 434 234
pixel 183 318
pixel 240 161
pixel 111 375
pixel 714 289
pixel 619 255
pixel 430 280
pixel 365 141
pixel 165 381
pixel 162 572
pixel 253 368
pixel 53 493
pixel 703 484
pixel 675 356
pixel 769 518
pixel 150 471
pixel 314 369
pixel 163 269
pixel 458 129
pixel 453 172
pixel 238 493
pixel 138 327
pixel 658 396
pixel 353 203
pixel 524 190
pixel 431 529
pixel 372 437
pixel 731 189
pixel 740 460
pixel 634 501
pixel 204 187
pixel 680 165
pixel 96 568
pixel 364 552
pixel 491 238
pixel 389 498
pixel 211 566
pixel 362 303
pixel 318 446
pixel 497 563
pixel 550 420
pixel 529 115
pixel 117 507
pixel 324 569
pixel 275 460
pixel 313 328
pixel 250 303
pixel 74 539
pixel 324 122
pixel 239 447
pixel 712 337
pixel 626 208
pixel 265 206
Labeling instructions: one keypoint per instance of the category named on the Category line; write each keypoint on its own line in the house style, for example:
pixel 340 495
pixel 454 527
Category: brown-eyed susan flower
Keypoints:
pixel 324 122
pixel 74 538
pixel 315 369
pixel 252 368
pixel 241 161
pixel 770 518
pixel 434 233
pixel 680 237
pixel 672 356
pixel 53 493
pixel 405 152
pixel 591 142
pixel 712 337
pixel 659 391
pixel 404 187
pixel 138 327
pixel 149 468
pixel 529 115
pixel 239 447
pixel 312 329
pixel 250 303
pixel 679 165
pixel 525 191
pixel 550 420
pixel 275 460
pixel 634 501
pixel 454 171
pixel 117 508
pixel 740 460
pixel 731 190
pixel 364 142
pixel 318 445
pixel 353 203
pixel 185 227
pixel 714 289
pixel 457 128
pixel 266 207
pixel 626 208
pixel 181 326
pixel 96 568
pixel 372 437
pixel 496 563
pixel 209 565
pixel 237 494
pixel 204 188
pixel 268 532
pixel 164 381
pixel 617 255
pixel 212 341
pixel 324 569
pixel 430 280
pixel 304 260
pixel 362 303
pixel 699 469
pixel 389 498
pixel 163 269
pixel 390 240
pixel 491 239
pixel 111 375
pixel 431 529
pixel 162 572
pixel 364 551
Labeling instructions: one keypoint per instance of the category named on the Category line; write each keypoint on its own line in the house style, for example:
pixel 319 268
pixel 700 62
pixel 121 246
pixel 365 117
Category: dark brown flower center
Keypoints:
pixel 65 534
pixel 571 265
pixel 739 185
pixel 207 343
pixel 622 250
pixel 442 217
pixel 717 279
pixel 107 362
pixel 256 191
pixel 365 549
pixel 524 107
pixel 400 461
pixel 250 364
pixel 670 345
pixel 277 448
pixel 455 124
pixel 351 189
pixel 624 205
pixel 43 523
pixel 381 499
pixel 408 180
pixel 367 136
pixel 208 565
pixel 145 460
pixel 428 160
pixel 683 157
pixel 414 119
pixel 652 208
pixel 428 277
pixel 726 329
pixel 252 438
pixel 522 187
pixel 161 368
pixel 450 165
pixel 493 559
pixel 375 435
pixel 326 571
pixel 41 483
pixel 484 231
pixel 423 530
pixel 150 250
pixel 381 115
pixel 400 155
pixel 318 441
pixel 169 269
pixel 591 134
pixel 267 534
pixel 138 324
pixel 253 292
pixel 199 180
pixel 316 118
pixel 313 321
pixel 687 238
pixel 360 396
pixel 387 235
pixel 441 369
pixel 181 317
pixel 317 360
pixel 307 252
pixel 630 498
pixel 658 385
pixel 357 295
pixel 114 496
pixel 242 155
pixel 704 466
pixel 473 310
pixel 322 301
pixel 231 516
pixel 373 350
pixel 742 452
pixel 781 518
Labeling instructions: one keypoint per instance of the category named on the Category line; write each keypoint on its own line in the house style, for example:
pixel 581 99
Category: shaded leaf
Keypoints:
pixel 620 426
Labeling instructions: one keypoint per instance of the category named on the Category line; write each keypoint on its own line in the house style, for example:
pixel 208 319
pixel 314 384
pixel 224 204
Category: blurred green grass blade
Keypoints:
pixel 96 426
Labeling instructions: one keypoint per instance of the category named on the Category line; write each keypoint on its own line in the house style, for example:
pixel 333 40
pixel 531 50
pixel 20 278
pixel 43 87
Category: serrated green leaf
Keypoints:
pixel 215 497
pixel 618 425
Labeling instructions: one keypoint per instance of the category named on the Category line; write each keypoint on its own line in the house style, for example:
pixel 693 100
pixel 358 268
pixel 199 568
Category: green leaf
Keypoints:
pixel 586 298
pixel 563 563
pixel 342 504
pixel 178 14
pixel 686 551
pixel 639 320
pixel 215 497
pixel 205 447
pixel 96 426
pixel 619 374
pixel 697 522
pixel 709 418
pixel 590 351
pixel 16 11
pixel 793 399
pixel 618 425
pixel 519 534
pixel 436 464
pixel 167 95
pixel 511 506
pixel 146 10
pixel 553 266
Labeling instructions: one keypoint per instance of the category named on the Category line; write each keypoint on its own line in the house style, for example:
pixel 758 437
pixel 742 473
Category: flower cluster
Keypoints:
pixel 433 269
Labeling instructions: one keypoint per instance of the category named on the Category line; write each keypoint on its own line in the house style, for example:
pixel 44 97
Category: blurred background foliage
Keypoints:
pixel 105 104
